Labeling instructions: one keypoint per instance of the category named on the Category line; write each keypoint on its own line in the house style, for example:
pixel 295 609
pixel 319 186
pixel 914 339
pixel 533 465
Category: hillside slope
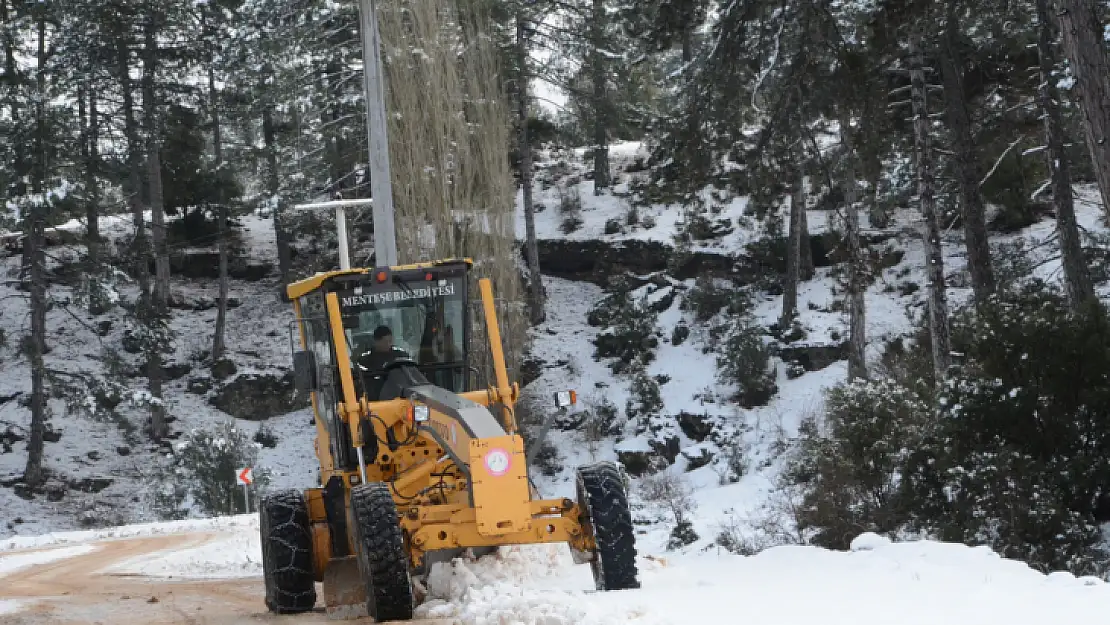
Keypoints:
pixel 726 457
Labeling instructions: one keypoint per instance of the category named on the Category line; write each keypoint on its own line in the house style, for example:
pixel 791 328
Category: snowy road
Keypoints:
pixel 84 584
pixel 208 572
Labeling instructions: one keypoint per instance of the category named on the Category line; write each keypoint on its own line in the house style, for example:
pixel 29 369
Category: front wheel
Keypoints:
pixel 287 553
pixel 603 500
pixel 382 558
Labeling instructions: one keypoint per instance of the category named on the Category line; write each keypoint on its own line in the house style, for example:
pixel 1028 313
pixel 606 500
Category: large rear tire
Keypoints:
pixel 382 558
pixel 605 515
pixel 287 553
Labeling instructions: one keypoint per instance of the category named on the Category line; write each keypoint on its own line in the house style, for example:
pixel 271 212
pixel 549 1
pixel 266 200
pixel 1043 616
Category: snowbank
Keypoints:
pixel 10 607
pixel 244 522
pixel 236 554
pixel 879 582
pixel 12 563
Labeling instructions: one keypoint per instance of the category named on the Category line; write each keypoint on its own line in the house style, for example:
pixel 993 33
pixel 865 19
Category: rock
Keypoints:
pixel 176 370
pixel 199 386
pixel 255 397
pixel 695 427
pixel 91 484
pixel 642 458
pixel 814 357
pixel 250 272
pixel 223 369
pixel 51 435
pixel 103 327
pixel 636 463
pixel 667 448
pixel 205 264
pixel 93 455
pixel 10 435
pixel 131 343
pixel 530 370
pixel 597 261
pixel 569 421
pixel 23 491
pixel 697 457
pixel 828 249
pixel 663 304
pixel 123 450
pixel 55 491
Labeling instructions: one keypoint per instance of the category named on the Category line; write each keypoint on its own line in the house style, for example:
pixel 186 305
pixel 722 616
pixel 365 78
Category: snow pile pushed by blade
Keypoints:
pixel 911 583
pixel 536 584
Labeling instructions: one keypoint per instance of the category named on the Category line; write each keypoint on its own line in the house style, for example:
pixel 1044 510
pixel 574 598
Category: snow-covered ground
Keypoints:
pixel 877 582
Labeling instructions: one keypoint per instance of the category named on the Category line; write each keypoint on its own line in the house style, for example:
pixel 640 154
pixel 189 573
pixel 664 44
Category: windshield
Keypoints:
pixel 424 320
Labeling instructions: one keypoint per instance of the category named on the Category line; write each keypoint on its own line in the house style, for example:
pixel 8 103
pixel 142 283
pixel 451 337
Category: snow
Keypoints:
pixel 877 581
pixel 11 563
pixel 659 223
pixel 243 522
pixel 8 606
pixel 232 554
pixel 908 583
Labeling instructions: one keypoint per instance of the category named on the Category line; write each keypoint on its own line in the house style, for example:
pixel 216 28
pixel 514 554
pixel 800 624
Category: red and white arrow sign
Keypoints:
pixel 243 477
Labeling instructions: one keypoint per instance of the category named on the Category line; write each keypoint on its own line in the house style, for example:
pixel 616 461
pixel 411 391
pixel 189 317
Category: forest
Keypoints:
pixel 941 119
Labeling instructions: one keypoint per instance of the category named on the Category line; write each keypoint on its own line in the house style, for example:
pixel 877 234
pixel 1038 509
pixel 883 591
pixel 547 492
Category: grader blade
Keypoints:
pixel 344 593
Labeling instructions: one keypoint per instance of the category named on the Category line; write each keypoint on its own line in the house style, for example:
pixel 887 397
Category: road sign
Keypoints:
pixel 243 477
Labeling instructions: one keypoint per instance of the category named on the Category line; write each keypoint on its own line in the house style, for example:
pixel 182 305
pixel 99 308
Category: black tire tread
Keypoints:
pixel 605 501
pixel 287 553
pixel 382 555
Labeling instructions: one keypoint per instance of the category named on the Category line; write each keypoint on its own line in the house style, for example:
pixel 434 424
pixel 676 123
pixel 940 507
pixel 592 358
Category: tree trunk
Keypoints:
pixel 793 249
pixel 141 248
pixel 154 168
pixel 33 473
pixel 806 270
pixel 1077 276
pixel 90 139
pixel 600 98
pixel 532 254
pixel 934 254
pixel 273 185
pixel 966 164
pixel 218 345
pixel 1082 33
pixel 857 319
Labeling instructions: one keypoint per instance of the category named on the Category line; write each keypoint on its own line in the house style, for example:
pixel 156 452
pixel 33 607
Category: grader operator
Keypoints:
pixel 420 453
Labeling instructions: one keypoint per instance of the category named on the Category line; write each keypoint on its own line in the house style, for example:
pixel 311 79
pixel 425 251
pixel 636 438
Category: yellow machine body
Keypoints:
pixel 457 481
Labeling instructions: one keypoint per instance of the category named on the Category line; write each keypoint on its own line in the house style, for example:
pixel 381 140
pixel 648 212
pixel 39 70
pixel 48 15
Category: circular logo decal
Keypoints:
pixel 497 461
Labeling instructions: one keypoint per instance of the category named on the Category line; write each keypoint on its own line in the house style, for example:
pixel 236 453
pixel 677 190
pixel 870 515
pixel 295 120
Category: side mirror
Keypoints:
pixel 304 371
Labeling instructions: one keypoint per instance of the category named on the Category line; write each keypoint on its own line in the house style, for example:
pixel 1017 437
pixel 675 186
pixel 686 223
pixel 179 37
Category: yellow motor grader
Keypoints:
pixel 421 459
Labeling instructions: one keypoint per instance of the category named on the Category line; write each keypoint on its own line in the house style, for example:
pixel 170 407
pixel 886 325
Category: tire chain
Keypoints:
pixel 611 521
pixel 289 543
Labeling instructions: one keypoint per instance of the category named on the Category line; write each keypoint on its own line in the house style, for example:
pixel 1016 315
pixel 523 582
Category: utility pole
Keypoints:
pixel 385 234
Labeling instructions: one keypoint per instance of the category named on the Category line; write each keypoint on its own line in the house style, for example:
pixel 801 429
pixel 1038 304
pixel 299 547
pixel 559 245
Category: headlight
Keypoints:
pixel 420 414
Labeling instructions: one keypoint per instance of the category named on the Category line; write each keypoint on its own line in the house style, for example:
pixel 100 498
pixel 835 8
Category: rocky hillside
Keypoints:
pixel 668 332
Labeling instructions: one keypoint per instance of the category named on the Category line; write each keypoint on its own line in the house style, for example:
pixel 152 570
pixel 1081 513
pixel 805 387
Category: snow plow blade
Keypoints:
pixel 344 593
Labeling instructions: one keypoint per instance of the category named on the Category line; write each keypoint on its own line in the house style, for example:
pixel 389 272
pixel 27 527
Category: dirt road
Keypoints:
pixel 77 590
